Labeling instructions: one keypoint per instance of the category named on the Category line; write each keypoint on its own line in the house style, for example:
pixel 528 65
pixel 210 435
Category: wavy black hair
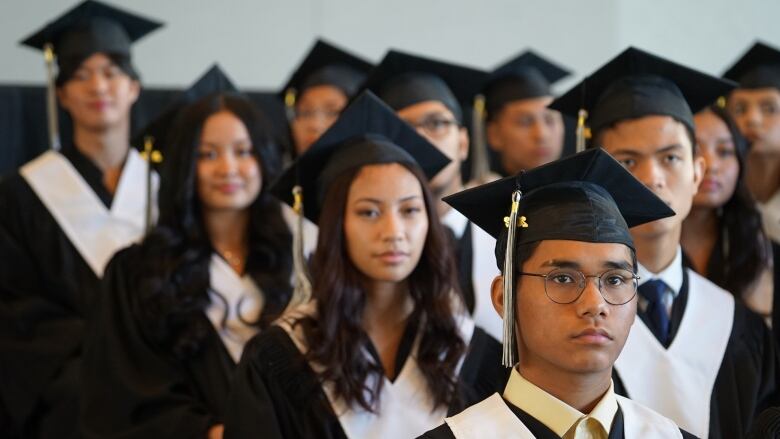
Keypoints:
pixel 175 256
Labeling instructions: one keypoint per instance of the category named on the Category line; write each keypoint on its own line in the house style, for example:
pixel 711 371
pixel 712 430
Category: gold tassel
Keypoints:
pixel 583 133
pixel 290 96
pixel 51 98
pixel 721 102
pixel 512 222
pixel 152 156
pixel 480 166
pixel 302 290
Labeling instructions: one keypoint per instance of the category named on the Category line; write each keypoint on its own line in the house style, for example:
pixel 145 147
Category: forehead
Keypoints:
pixel 644 134
pixel 745 94
pixel 530 105
pixel 593 254
pixel 96 61
pixel 224 123
pixel 322 94
pixel 423 109
pixel 389 181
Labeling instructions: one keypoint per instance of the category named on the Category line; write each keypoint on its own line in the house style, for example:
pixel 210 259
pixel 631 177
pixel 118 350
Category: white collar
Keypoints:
pixel 455 221
pixel 672 275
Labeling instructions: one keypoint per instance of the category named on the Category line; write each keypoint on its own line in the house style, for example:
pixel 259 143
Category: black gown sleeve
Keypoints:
pixel 275 394
pixel 42 316
pixel 132 387
pixel 441 432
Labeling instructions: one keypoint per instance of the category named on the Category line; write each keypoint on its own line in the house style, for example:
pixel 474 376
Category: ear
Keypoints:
pixel 135 90
pixel 494 140
pixel 497 295
pixel 463 144
pixel 62 97
pixel 699 166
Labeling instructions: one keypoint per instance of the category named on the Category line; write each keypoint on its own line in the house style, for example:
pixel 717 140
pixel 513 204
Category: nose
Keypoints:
pixel 711 162
pixel 392 227
pixel 649 172
pixel 591 302
pixel 753 116
pixel 227 164
pixel 98 82
pixel 540 129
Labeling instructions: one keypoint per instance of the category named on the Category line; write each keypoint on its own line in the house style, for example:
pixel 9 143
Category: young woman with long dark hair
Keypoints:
pixel 722 236
pixel 179 307
pixel 386 347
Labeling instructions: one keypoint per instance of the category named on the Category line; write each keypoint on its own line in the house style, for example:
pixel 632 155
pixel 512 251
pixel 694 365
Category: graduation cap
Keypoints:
pixel 326 64
pixel 156 133
pixel 88 28
pixel 525 76
pixel 402 79
pixel 367 132
pixel 759 67
pixel 636 84
pixel 586 197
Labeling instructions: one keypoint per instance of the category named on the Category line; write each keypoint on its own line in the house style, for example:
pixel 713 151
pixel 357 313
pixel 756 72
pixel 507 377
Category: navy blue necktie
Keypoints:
pixel 653 291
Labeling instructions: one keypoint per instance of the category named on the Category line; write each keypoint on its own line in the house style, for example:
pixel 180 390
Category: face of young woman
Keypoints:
pixel 99 94
pixel 228 173
pixel 757 114
pixel 316 110
pixel 385 224
pixel 721 166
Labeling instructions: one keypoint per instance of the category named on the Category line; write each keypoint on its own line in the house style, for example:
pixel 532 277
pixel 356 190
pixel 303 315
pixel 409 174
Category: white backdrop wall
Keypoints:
pixel 259 41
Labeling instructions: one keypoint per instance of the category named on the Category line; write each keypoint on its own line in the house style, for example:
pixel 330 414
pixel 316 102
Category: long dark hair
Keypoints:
pixel 174 281
pixel 741 251
pixel 336 337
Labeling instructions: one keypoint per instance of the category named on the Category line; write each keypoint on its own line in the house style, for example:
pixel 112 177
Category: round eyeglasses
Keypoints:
pixel 563 285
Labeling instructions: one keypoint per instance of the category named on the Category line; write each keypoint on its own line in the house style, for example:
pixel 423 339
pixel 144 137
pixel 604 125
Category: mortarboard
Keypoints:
pixel 636 84
pixel 759 67
pixel 586 197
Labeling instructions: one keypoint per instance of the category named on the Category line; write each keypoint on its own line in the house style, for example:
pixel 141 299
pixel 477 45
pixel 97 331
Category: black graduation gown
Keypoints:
pixel 277 395
pixel 133 387
pixel 747 381
pixel 539 430
pixel 47 292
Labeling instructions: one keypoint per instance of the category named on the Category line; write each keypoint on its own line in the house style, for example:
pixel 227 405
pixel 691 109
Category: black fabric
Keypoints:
pixel 758 67
pixel 747 381
pixel 464 256
pixel 25 132
pixel 767 425
pixel 132 386
pixel 404 347
pixel 277 395
pixel 776 291
pixel 47 293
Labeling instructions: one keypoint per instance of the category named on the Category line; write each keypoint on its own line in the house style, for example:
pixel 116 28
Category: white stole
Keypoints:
pixel 242 296
pixel 492 418
pixel 678 381
pixel 95 231
pixel 405 406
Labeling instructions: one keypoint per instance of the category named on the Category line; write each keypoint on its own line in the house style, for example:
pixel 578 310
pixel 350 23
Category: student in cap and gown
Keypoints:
pixel 521 130
pixel 567 295
pixel 178 308
pixel 434 97
pixel 694 355
pixel 385 348
pixel 66 212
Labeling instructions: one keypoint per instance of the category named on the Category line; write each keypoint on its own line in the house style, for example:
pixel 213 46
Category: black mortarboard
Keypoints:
pixel 213 81
pixel 403 79
pixel 367 132
pixel 525 76
pixel 326 64
pixel 759 67
pixel 586 197
pixel 88 28
pixel 636 84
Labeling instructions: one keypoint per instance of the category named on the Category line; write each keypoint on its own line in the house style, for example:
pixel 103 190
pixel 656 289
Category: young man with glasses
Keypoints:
pixel 567 294
pixel 695 354
pixel 434 96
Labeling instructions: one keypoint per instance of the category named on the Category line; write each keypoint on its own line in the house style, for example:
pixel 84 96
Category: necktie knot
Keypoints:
pixel 653 290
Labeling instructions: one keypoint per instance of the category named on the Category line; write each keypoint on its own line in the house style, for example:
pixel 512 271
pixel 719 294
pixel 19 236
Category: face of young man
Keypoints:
pixel 582 337
pixel 434 121
pixel 527 134
pixel 658 151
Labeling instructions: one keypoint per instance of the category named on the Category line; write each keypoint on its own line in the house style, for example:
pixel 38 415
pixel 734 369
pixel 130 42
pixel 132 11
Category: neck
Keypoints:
pixel 699 235
pixel 106 148
pixel 228 231
pixel 387 304
pixel 657 251
pixel 580 391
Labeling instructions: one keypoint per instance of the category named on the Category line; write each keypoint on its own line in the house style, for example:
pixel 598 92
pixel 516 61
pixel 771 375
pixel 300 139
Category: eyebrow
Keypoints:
pixel 563 263
pixel 631 152
pixel 378 201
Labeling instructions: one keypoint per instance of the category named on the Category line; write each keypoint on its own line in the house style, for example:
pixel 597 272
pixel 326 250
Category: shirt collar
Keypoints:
pixel 455 221
pixel 551 411
pixel 671 275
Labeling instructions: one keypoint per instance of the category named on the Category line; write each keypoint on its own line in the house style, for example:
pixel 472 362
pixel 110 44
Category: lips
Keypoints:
pixel 593 336
pixel 99 105
pixel 392 257
pixel 710 185
pixel 228 188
